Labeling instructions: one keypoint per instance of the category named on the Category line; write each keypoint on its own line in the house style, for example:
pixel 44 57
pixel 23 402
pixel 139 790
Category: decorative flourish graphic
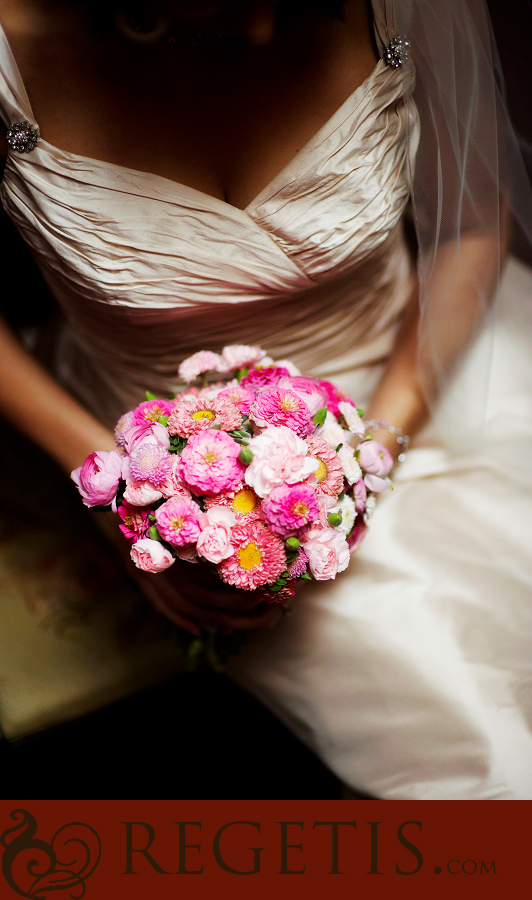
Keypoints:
pixel 34 868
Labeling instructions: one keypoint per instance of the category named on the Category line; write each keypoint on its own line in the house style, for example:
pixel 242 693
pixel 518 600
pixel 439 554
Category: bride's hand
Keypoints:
pixel 190 595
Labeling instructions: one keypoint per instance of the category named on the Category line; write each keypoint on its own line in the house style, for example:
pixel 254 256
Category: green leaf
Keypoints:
pixel 150 396
pixel 163 420
pixel 360 412
pixel 306 576
pixel 154 533
pixel 320 416
pixel 339 447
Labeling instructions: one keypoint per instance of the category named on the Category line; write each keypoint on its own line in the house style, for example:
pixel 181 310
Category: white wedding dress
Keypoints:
pixel 411 674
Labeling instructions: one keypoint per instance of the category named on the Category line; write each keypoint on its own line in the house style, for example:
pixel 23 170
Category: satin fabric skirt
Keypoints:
pixel 410 675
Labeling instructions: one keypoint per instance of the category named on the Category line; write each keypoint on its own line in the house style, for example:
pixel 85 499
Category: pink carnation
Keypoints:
pixel 241 397
pixel 202 361
pixel 172 486
pixel 327 551
pixel 279 457
pixel 336 396
pixel 214 542
pixel 150 462
pixel 178 521
pixel 310 390
pixel 242 501
pixel 329 476
pixel 258 557
pixel 192 416
pixel 135 522
pixel 151 556
pixel 141 493
pixel 266 376
pixel 239 356
pixel 210 464
pixel 150 410
pixel 289 508
pixel 277 406
pixel 99 476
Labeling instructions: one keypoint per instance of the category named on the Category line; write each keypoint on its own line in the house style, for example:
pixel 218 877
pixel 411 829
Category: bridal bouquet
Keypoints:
pixel 253 473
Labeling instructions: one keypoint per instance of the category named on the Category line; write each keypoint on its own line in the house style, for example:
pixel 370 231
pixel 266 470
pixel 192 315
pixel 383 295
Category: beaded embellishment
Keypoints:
pixel 22 137
pixel 397 52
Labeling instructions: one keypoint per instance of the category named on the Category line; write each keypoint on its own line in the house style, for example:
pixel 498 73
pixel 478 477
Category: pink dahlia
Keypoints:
pixel 178 521
pixel 278 406
pixel 310 390
pixel 240 396
pixel 258 557
pixel 210 464
pixel 192 416
pixel 202 361
pixel 150 410
pixel 336 396
pixel 150 462
pixel 135 522
pixel 289 508
pixel 243 502
pixel 265 376
pixel 329 476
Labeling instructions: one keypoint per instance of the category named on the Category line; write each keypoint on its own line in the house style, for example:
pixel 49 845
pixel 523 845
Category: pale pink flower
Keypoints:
pixel 332 432
pixel 241 397
pixel 376 484
pixel 210 464
pixel 276 406
pixel 310 390
pixel 360 494
pixel 299 566
pixel 178 521
pixel 289 508
pixel 151 556
pixel 172 485
pixel 135 522
pixel 147 431
pixel 352 470
pixel 258 557
pixel 336 395
pixel 150 410
pixel 150 462
pixel 99 476
pixel 279 457
pixel 327 551
pixel 329 476
pixel 124 424
pixel 141 493
pixel 352 419
pixel 374 458
pixel 239 356
pixel 192 416
pixel 214 542
pixel 264 376
pixel 187 552
pixel 202 361
pixel 242 501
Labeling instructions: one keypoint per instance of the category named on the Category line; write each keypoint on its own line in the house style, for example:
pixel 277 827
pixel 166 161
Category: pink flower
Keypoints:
pixel 376 484
pixel 360 494
pixel 358 534
pixel 150 462
pixel 258 557
pixel 241 397
pixel 352 418
pixel 214 542
pixel 178 521
pixel 277 406
pixel 327 551
pixel 279 457
pixel 335 395
pixel 266 376
pixel 150 410
pixel 141 493
pixel 139 434
pixel 172 486
pixel 299 566
pixel 310 390
pixel 210 464
pixel 192 416
pixel 374 458
pixel 151 556
pixel 329 476
pixel 202 361
pixel 239 356
pixel 98 478
pixel 135 522
pixel 290 508
pixel 243 503
pixel 124 424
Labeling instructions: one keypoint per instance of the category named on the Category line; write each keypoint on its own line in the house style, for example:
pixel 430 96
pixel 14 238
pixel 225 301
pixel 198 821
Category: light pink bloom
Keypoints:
pixel 352 418
pixel 360 494
pixel 98 478
pixel 150 410
pixel 352 470
pixel 289 508
pixel 376 484
pixel 310 390
pixel 210 464
pixel 141 493
pixel 277 406
pixel 214 542
pixel 336 395
pixel 242 501
pixel 332 432
pixel 241 397
pixel 329 476
pixel 192 416
pixel 150 462
pixel 202 361
pixel 178 521
pixel 135 522
pixel 139 434
pixel 258 557
pixel 264 376
pixel 124 424
pixel 279 457
pixel 239 356
pixel 187 552
pixel 374 458
pixel 151 556
pixel 327 551
pixel 172 485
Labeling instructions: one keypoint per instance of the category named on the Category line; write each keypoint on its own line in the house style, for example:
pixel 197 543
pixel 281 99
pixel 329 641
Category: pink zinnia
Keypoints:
pixel 150 410
pixel 336 396
pixel 289 508
pixel 150 462
pixel 243 502
pixel 210 464
pixel 258 558
pixel 310 390
pixel 178 521
pixel 329 475
pixel 193 416
pixel 240 396
pixel 135 522
pixel 266 376
pixel 279 406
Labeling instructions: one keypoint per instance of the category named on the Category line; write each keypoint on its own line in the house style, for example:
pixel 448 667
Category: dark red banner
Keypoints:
pixel 103 850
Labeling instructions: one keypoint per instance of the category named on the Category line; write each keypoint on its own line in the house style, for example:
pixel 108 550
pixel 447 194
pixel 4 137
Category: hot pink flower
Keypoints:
pixel 150 462
pixel 374 458
pixel 135 522
pixel 210 464
pixel 277 406
pixel 192 416
pixel 203 361
pixel 327 551
pixel 310 390
pixel 151 556
pixel 268 376
pixel 238 356
pixel 258 557
pixel 241 397
pixel 150 410
pixel 279 457
pixel 329 476
pixel 214 542
pixel 290 508
pixel 98 478
pixel 336 396
pixel 178 521
pixel 141 493
pixel 357 535
pixel 242 501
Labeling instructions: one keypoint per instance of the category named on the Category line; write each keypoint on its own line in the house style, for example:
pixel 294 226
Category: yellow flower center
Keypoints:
pixel 210 457
pixel 128 521
pixel 177 524
pixel 321 471
pixel 152 415
pixel 201 414
pixel 244 502
pixel 289 402
pixel 249 556
pixel 300 508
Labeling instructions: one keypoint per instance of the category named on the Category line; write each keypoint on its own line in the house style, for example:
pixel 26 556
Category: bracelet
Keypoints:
pixel 401 437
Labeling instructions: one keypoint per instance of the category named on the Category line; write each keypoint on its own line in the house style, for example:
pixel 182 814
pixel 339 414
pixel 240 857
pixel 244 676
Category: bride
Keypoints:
pixel 192 174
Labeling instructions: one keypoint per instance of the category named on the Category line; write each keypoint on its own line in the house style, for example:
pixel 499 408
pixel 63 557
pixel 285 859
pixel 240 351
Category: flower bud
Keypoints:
pixel 292 544
pixel 246 456
pixel 334 519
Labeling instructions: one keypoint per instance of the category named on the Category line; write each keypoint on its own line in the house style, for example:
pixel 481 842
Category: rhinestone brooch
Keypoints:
pixel 397 52
pixel 22 137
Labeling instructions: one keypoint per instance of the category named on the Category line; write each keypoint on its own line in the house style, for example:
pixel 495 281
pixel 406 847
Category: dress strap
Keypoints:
pixel 14 103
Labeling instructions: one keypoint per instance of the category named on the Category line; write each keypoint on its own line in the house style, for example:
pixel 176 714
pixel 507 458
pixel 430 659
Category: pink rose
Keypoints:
pixel 214 542
pixel 310 390
pixel 374 458
pixel 327 551
pixel 151 556
pixel 172 486
pixel 376 484
pixel 139 434
pixel 98 478
pixel 141 493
